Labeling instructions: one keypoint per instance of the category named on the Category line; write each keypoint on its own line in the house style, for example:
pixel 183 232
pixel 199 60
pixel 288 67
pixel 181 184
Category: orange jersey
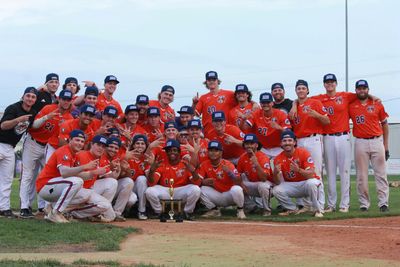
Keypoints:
pixel 160 153
pixel 247 167
pixel 152 133
pixel 178 173
pixel 61 157
pixel 67 127
pixel 134 130
pixel 83 158
pixel 304 125
pixel 367 118
pixel 208 103
pixel 337 107
pixel 235 119
pixel 166 114
pixel 230 150
pixel 102 103
pixel 138 168
pixel 203 152
pixel 222 182
pixel 50 126
pixel 302 157
pixel 267 135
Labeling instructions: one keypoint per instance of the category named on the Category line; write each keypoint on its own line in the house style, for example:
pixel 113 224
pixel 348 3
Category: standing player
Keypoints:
pixel 186 114
pixel 90 98
pixel 47 92
pixel 165 98
pixel 14 123
pixel 107 121
pixel 280 102
pixel 154 125
pixel 142 102
pixel 129 126
pixel 71 84
pixel 106 98
pixel 371 145
pixel 243 110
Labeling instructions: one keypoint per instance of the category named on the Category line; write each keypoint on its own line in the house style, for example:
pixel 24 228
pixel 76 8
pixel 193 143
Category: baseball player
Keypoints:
pixel 220 183
pixel 14 123
pixel 47 92
pixel 71 84
pixel 295 176
pixel 142 102
pixel 129 126
pixel 371 133
pixel 46 123
pixel 165 98
pixel 184 176
pixel 243 110
pixel 90 98
pixel 199 144
pixel 154 125
pixel 106 98
pixel 280 102
pixel 107 121
pixel 255 170
pixel 186 113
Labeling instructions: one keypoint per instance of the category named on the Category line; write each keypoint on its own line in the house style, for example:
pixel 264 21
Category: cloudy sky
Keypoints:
pixel 150 43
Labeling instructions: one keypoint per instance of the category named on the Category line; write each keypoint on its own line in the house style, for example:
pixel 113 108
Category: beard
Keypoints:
pixel 362 97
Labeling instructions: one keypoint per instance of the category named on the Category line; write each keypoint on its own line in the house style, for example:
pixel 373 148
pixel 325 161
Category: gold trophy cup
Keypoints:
pixel 174 206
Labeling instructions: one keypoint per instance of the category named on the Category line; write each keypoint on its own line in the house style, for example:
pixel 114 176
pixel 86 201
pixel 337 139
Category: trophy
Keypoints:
pixel 171 208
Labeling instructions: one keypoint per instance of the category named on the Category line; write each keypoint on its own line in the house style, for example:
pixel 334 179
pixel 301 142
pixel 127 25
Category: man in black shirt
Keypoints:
pixel 47 92
pixel 14 123
pixel 282 103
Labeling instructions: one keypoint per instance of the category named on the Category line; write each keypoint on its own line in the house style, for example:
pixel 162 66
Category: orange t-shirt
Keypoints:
pixel 247 167
pixel 302 157
pixel 305 125
pixel 337 107
pixel 49 127
pixel 61 157
pixel 102 103
pixel 234 118
pixel 268 136
pixel 166 114
pixel 178 172
pixel 138 168
pixel 66 128
pixel 230 150
pixel 367 118
pixel 222 182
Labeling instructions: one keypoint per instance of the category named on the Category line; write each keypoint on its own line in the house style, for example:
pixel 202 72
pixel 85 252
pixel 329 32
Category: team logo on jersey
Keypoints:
pixel 221 99
pixel 21 127
pixel 287 122
pixel 203 152
pixel 63 130
pixel 274 119
pixel 220 175
pixel 65 157
pixel 180 172
pixel 371 109
pixel 339 100
pixel 141 166
pixel 306 108
pixel 266 166
pixel 133 172
pixel 310 160
pixel 242 134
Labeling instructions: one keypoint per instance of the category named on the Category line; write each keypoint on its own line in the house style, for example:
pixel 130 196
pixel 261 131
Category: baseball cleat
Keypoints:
pixel 212 213
pixel 318 214
pixel 142 216
pixel 329 209
pixel 7 214
pixel 119 218
pixel 288 212
pixel 240 214
pixel 266 213
pixel 55 217
pixel 364 209
pixel 304 209
pixel 26 214
pixel 189 216
pixel 384 208
pixel 344 210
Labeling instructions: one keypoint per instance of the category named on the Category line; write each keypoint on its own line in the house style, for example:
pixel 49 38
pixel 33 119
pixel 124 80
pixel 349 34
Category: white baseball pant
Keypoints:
pixel 7 164
pixel 211 198
pixel 123 194
pixel 261 190
pixel 139 189
pixel 190 194
pixel 49 150
pixel 272 152
pixel 95 205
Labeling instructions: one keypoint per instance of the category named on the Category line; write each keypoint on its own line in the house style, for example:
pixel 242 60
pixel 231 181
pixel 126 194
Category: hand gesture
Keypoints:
pixel 195 99
pixel 229 139
pixel 312 113
pixel 275 125
pixel 91 165
pixel 89 83
pixel 225 167
pixel 277 168
pixel 189 148
pixel 253 158
pixel 208 182
pixel 115 164
pixel 294 166
pixel 100 171
pixel 24 118
pixel 54 113
pixel 196 145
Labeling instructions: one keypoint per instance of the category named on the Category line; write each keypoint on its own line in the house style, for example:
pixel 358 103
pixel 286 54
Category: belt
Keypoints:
pixel 37 142
pixel 314 134
pixel 369 138
pixel 337 134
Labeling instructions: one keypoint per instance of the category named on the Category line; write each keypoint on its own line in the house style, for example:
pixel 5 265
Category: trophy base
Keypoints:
pixel 171 210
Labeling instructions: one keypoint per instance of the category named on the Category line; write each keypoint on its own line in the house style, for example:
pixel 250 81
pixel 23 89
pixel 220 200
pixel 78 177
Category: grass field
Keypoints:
pixel 55 263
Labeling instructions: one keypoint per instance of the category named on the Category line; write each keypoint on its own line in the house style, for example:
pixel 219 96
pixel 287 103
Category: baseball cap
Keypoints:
pixel 172 143
pixel 99 139
pixel 139 137
pixel 114 141
pixel 288 134
pixel 241 88
pixel 52 77
pixel 153 111
pixel 88 109
pixel 186 110
pixel 194 123
pixel 218 116
pixel 170 124
pixel 113 131
pixel 31 90
pixel 252 138
pixel 130 108
pixel 77 133
pixel 276 86
pixel 330 77
pixel 360 83
pixel 214 144
pixel 183 130
pixel 211 75
pixel 302 82
pixel 71 80
pixel 111 78
pixel 144 99
pixel 65 94
pixel 266 98
pixel 111 111
pixel 91 90
pixel 168 88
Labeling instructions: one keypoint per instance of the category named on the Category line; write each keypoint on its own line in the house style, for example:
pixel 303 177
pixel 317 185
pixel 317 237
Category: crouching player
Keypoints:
pixel 294 174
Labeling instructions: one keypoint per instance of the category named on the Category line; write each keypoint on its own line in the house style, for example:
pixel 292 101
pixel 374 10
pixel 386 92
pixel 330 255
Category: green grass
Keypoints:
pixel 55 263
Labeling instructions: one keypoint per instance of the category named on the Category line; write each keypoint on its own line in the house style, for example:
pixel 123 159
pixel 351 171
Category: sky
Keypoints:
pixel 151 43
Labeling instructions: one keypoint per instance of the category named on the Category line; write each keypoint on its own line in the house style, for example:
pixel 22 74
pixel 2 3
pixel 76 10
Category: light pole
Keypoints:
pixel 347 48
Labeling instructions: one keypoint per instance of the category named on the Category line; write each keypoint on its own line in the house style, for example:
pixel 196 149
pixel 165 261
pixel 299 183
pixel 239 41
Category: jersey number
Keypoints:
pixel 290 174
pixel 48 126
pixel 330 110
pixel 263 131
pixel 360 119
pixel 211 110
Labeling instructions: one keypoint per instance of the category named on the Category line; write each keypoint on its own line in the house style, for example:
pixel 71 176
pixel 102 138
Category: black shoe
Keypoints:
pixel 189 216
pixel 280 208
pixel 7 214
pixel 26 214
pixel 41 210
pixel 363 209
pixel 299 207
pixel 384 208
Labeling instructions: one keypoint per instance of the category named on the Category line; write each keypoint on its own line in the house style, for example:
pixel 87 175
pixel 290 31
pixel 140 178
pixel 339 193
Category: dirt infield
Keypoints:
pixel 356 242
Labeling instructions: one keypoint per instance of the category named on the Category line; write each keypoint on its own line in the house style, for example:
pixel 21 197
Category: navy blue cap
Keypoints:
pixel 153 111
pixel 211 75
pixel 88 109
pixel 111 111
pixel 302 82
pixel 251 138
pixel 276 86
pixel 287 133
pixel 65 94
pixel 130 108
pixel 214 144
pixel 91 90
pixel 218 116
pixel 139 137
pixel 360 83
pixel 170 124
pixel 183 129
pixel 31 90
pixel 241 88
pixel 266 98
pixel 330 77
pixel 77 133
pixel 143 99
pixel 194 123
pixel 99 139
pixel 71 80
pixel 52 77
pixel 113 131
pixel 168 88
pixel 186 110
pixel 111 78
pixel 172 143
pixel 114 141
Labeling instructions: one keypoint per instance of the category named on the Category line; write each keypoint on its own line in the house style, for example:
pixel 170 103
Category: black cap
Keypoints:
pixel 71 80
pixel 139 137
pixel 52 77
pixel 91 90
pixel 88 109
pixel 287 133
pixel 170 124
pixel 302 82
pixel 241 88
pixel 186 110
pixel 100 139
pixel 168 88
pixel 111 78
pixel 211 75
pixel 276 86
pixel 218 116
pixel 153 111
pixel 266 98
pixel 65 94
pixel 111 111
pixel 143 99
pixel 130 108
pixel 114 141
pixel 194 124
pixel 31 90
pixel 77 133
pixel 172 143
pixel 214 144
pixel 361 83
pixel 330 77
